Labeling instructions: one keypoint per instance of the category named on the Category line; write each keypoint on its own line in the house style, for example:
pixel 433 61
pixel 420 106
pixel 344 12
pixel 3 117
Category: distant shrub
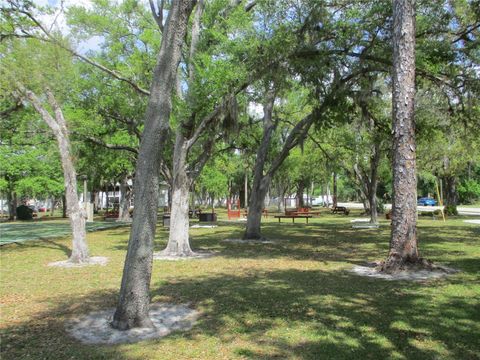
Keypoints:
pixel 24 213
pixel 451 210
pixel 469 191
pixel 381 206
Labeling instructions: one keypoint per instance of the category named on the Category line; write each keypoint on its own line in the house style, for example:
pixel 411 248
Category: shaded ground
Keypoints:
pixel 32 230
pixel 294 298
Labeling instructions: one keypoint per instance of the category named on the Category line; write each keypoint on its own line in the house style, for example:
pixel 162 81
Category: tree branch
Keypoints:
pixel 102 143
pixel 158 16
pixel 48 37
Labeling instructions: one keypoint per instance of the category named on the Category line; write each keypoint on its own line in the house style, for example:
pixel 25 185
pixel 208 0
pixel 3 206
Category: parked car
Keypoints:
pixel 426 201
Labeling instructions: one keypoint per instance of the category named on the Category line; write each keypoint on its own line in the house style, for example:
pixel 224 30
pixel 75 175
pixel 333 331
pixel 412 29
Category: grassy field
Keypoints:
pixel 292 299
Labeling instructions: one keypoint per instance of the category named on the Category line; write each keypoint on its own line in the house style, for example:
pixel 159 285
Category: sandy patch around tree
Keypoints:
pixel 94 328
pixel 92 260
pixel 199 254
pixel 371 270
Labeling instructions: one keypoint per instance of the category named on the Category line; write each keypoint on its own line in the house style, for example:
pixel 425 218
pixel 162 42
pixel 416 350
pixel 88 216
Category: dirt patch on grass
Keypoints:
pixel 94 328
pixel 93 260
pixel 195 255
pixel 371 270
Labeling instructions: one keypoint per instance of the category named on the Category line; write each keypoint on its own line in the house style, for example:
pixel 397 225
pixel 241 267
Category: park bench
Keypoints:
pixel 293 217
pixel 340 209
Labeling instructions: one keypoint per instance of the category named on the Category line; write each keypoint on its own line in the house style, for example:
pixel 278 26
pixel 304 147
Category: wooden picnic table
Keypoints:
pixel 317 212
pixel 293 217
pixel 340 209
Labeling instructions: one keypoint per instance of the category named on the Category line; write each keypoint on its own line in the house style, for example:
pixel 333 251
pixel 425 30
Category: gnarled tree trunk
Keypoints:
pixel 403 242
pixel 134 300
pixel 75 213
pixel 261 182
pixel 178 240
pixel 451 197
pixel 300 192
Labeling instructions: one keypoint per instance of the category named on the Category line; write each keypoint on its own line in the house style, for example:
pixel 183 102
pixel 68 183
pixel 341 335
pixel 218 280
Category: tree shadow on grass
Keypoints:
pixel 315 314
pixel 44 336
pixel 272 314
pixel 38 243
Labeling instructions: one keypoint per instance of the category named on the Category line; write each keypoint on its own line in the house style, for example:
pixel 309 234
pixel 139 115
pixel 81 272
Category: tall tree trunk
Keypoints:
pixel 52 207
pixel 246 189
pixel 12 202
pixel 64 206
pixel 334 197
pixel 178 241
pixel 403 242
pixel 134 300
pixel 260 181
pixel 372 201
pixel 94 200
pixel 373 182
pixel 300 192
pixel 124 206
pixel 451 197
pixel 76 214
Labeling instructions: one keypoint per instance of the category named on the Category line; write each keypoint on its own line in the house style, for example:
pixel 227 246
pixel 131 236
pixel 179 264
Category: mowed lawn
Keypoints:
pixel 291 299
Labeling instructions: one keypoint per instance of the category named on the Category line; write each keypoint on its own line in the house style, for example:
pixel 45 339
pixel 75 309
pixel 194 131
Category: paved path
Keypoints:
pixel 461 210
pixel 32 230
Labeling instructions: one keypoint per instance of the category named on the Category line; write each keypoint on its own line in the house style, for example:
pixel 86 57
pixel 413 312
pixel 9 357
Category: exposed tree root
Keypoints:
pixel 395 263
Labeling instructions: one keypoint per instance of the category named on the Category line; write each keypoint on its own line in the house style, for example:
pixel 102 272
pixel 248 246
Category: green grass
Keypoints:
pixel 293 299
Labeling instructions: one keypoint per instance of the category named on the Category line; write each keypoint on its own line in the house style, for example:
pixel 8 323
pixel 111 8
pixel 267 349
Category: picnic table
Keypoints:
pixel 293 217
pixel 340 209
pixel 315 212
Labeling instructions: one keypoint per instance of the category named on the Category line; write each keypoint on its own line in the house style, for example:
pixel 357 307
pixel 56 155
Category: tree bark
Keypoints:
pixel 451 194
pixel 64 206
pixel 178 241
pixel 134 299
pixel 334 196
pixel 12 203
pixel 403 242
pixel 75 213
pixel 300 192
pixel 125 196
pixel 52 208
pixel 261 182
pixel 373 183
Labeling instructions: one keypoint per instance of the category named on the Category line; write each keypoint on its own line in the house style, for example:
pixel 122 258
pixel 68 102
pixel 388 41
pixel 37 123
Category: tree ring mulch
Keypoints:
pixel 94 328
pixel 92 260
pixel 371 270
pixel 162 255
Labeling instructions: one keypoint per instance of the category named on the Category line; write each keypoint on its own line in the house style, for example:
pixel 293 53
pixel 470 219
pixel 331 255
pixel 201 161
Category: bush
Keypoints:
pixel 469 191
pixel 451 210
pixel 24 213
pixel 381 206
